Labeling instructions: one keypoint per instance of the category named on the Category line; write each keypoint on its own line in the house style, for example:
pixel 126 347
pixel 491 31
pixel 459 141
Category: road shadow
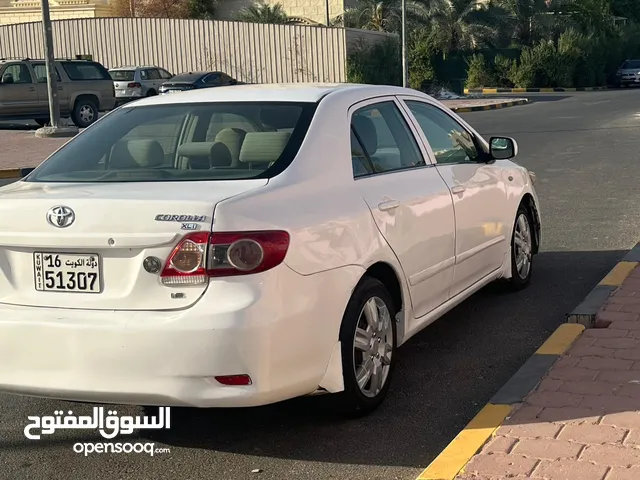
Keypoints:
pixel 444 376
pixel 18 126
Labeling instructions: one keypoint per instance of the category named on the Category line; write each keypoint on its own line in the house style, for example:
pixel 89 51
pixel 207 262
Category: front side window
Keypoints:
pixel 174 143
pixel 165 75
pixel 381 140
pixel 212 79
pixel 16 73
pixel 450 141
pixel 153 74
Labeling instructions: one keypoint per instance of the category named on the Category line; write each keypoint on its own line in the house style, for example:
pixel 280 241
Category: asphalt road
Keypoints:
pixel 584 148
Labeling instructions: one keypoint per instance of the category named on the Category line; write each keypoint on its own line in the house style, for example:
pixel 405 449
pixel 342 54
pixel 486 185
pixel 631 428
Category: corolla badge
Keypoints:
pixel 60 216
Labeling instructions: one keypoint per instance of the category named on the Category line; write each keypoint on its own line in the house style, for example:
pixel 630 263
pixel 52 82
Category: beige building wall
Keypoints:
pixel 314 10
pixel 23 11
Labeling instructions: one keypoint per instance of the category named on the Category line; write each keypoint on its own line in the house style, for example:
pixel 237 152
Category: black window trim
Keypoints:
pixel 408 123
pixel 483 157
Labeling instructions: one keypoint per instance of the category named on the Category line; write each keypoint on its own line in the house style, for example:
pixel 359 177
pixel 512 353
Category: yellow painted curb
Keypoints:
pixel 467 443
pixel 560 341
pixel 519 90
pixel 15 173
pixel 618 274
pixel 463 110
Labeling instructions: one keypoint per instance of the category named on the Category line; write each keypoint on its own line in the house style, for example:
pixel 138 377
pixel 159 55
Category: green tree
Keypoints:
pixel 202 9
pixel 626 8
pixel 263 13
pixel 461 25
pixel 382 15
pixel 522 22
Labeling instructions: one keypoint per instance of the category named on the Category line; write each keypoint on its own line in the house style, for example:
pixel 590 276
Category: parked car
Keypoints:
pixel 84 89
pixel 242 246
pixel 192 80
pixel 131 83
pixel 628 73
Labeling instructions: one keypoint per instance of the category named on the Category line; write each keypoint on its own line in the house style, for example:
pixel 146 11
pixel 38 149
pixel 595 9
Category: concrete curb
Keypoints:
pixel 585 313
pixel 533 90
pixel 472 438
pixel 495 106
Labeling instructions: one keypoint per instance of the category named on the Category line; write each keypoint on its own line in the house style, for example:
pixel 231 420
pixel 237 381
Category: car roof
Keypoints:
pixel 193 75
pixel 130 67
pixel 274 92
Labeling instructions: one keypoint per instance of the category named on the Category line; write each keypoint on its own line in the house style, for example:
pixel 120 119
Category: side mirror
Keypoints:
pixel 503 148
pixel 7 79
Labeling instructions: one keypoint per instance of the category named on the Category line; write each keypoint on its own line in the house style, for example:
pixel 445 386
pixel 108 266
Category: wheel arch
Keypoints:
pixel 530 204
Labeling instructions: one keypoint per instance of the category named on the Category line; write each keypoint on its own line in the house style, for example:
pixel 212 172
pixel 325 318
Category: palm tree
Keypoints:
pixel 522 22
pixel 263 13
pixel 462 24
pixel 382 15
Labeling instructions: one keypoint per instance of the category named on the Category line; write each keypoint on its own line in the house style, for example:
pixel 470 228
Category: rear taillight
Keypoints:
pixel 202 255
pixel 134 85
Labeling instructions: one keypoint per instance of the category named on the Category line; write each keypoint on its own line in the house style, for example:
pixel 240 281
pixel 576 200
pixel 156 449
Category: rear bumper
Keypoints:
pixel 277 327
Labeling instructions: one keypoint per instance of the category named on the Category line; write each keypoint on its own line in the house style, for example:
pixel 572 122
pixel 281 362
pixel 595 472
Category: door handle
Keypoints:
pixel 388 205
pixel 32 89
pixel 458 189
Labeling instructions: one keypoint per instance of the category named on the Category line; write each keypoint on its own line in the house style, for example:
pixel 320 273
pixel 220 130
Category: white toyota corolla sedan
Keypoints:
pixel 238 246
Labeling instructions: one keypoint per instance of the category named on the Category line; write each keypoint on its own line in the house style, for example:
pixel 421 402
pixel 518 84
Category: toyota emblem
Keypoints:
pixel 60 216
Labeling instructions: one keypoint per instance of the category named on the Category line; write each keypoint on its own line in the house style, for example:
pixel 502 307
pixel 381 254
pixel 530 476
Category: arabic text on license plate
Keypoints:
pixel 63 272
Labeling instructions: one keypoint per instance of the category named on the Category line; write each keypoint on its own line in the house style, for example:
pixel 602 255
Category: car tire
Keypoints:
pixel 522 240
pixel 85 112
pixel 151 93
pixel 371 356
pixel 42 121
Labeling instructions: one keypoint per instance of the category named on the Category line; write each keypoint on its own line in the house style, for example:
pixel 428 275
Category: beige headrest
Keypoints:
pixel 137 153
pixel 263 147
pixel 232 138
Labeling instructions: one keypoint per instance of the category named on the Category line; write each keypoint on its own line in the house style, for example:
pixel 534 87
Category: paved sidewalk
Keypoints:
pixel 582 422
pixel 478 104
pixel 21 148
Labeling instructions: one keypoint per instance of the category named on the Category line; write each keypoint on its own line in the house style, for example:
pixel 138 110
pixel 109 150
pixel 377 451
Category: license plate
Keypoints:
pixel 63 272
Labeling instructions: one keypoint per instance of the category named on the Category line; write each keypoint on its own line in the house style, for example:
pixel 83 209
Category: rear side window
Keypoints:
pixel 79 71
pixel 182 142
pixel 381 141
pixel 41 72
pixel 122 75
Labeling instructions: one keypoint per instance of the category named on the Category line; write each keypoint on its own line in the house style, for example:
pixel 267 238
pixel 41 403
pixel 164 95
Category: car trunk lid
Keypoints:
pixel 85 245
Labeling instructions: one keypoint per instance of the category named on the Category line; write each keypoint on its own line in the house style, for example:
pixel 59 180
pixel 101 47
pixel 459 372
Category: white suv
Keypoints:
pixel 132 83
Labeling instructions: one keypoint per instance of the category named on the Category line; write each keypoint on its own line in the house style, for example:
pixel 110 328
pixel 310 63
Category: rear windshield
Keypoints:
pixel 85 71
pixel 215 141
pixel 122 75
pixel 631 64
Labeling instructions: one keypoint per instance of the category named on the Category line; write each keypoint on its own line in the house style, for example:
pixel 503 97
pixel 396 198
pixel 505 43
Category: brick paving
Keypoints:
pixel 21 148
pixel 582 422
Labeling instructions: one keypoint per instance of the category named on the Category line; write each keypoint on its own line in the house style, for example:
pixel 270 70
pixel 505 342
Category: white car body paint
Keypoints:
pixel 136 344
